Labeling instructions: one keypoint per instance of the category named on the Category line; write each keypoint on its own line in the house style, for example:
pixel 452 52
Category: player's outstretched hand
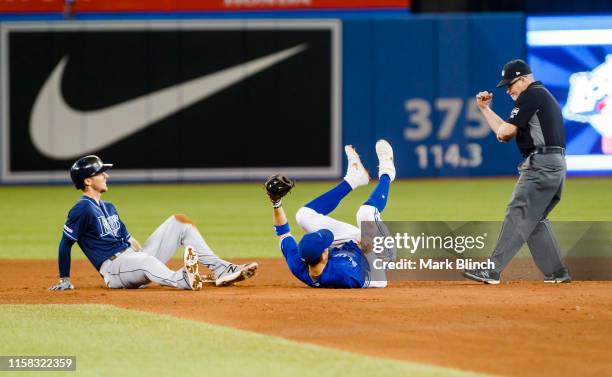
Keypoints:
pixel 63 285
pixel 278 186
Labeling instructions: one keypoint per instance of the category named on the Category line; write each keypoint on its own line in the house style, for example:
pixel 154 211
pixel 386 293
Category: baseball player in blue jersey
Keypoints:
pixel 331 255
pixel 123 263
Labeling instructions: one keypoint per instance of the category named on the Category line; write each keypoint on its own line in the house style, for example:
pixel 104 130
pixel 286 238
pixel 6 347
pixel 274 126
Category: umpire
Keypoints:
pixel 537 124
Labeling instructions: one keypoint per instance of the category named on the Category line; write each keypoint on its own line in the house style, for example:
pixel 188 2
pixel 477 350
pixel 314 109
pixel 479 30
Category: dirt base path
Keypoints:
pixel 521 328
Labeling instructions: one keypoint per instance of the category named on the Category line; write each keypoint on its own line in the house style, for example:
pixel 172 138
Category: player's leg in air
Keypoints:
pixel 329 254
pixel 314 215
pixel 369 216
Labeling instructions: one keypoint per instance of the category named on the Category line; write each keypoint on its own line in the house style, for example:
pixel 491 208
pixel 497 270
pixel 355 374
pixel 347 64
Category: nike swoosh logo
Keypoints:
pixel 61 132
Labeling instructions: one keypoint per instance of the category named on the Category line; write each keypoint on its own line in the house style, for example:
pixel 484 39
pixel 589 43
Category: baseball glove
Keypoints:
pixel 278 186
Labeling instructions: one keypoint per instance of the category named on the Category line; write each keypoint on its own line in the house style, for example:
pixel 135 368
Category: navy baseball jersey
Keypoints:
pixel 97 229
pixel 346 266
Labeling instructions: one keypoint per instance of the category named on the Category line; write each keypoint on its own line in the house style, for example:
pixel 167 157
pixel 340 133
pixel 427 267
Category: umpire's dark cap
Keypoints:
pixel 86 167
pixel 512 70
pixel 312 245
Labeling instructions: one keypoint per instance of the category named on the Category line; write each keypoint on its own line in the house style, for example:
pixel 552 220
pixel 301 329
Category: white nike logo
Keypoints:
pixel 61 132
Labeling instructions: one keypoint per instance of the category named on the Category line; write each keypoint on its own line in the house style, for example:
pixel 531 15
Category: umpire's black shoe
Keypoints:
pixel 483 276
pixel 561 276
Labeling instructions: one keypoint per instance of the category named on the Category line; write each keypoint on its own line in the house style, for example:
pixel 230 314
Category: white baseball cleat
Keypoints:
pixel 235 273
pixel 356 174
pixel 385 159
pixel 192 276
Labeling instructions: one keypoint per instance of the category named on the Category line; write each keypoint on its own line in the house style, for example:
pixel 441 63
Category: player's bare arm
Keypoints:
pixel 278 216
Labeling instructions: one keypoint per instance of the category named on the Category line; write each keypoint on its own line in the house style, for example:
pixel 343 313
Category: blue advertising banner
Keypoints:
pixel 409 79
pixel 413 82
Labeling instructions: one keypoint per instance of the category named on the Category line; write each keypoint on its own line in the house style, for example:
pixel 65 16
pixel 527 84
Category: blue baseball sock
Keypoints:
pixel 327 202
pixel 379 196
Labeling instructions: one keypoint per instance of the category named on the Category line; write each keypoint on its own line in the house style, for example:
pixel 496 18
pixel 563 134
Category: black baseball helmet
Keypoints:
pixel 86 167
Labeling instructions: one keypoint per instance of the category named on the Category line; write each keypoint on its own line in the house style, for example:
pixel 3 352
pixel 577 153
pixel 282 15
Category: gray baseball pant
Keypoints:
pixel 132 269
pixel 536 193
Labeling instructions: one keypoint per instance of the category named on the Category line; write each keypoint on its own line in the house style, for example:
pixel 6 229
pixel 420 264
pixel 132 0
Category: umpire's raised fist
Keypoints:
pixel 483 99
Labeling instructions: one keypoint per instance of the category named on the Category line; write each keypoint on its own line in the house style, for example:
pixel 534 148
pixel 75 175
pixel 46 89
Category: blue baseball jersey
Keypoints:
pixel 346 266
pixel 97 229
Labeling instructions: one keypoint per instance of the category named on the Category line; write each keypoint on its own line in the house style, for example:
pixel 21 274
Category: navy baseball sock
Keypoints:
pixel 379 196
pixel 328 201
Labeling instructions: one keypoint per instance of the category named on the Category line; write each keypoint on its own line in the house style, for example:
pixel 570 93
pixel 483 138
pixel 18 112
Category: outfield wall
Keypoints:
pixel 413 82
pixel 234 99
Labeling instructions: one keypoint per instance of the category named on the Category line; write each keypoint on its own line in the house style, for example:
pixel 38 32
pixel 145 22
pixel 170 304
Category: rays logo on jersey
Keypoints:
pixel 590 100
pixel 109 225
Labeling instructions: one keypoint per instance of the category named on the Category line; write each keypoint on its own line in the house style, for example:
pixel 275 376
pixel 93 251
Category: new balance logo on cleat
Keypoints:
pixel 231 269
pixel 236 273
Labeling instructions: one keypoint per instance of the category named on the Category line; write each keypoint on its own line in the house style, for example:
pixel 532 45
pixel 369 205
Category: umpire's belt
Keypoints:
pixel 548 150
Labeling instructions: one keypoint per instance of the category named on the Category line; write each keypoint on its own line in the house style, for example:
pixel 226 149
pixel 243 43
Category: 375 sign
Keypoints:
pixel 453 142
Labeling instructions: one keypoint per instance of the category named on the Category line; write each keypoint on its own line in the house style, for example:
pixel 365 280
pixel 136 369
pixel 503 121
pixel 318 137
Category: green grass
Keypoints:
pixel 109 341
pixel 236 218
pixel 236 221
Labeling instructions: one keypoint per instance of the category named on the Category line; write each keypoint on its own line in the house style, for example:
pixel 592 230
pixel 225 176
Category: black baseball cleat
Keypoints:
pixel 482 276
pixel 558 277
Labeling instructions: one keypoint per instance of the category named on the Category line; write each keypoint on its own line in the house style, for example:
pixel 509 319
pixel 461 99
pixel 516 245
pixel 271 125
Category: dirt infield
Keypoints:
pixel 521 328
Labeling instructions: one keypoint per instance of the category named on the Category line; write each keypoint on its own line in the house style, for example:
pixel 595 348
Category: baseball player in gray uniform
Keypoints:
pixel 120 259
pixel 537 123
